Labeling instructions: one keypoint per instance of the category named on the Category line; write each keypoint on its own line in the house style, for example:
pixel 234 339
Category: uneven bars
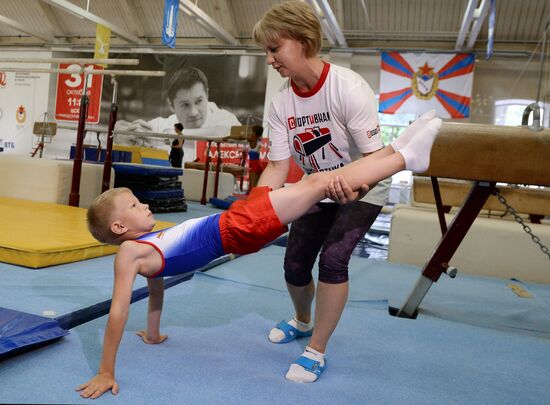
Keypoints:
pixel 157 73
pixel 107 61
pixel 217 133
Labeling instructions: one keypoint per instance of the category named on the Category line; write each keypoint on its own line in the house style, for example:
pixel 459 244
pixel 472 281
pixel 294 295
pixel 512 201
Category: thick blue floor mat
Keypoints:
pixel 20 331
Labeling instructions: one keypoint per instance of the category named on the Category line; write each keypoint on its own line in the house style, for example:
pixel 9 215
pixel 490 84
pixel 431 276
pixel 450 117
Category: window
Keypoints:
pixel 391 126
pixel 510 112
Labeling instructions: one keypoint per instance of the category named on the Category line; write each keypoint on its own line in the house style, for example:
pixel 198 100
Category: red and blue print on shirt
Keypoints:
pixel 418 82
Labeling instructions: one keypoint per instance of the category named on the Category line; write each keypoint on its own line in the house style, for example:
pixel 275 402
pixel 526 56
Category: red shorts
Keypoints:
pixel 250 224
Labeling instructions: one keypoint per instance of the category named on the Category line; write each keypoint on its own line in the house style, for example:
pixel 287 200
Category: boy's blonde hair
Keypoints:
pixel 99 215
pixel 290 19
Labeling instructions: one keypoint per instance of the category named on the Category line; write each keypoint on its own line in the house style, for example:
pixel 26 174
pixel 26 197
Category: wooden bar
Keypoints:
pixel 98 61
pixel 101 72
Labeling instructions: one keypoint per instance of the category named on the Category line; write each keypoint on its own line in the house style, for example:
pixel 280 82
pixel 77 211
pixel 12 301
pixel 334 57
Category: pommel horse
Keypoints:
pixel 485 154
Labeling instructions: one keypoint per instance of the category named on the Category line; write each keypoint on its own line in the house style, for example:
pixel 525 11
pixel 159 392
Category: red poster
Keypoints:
pixel 232 153
pixel 229 152
pixel 69 92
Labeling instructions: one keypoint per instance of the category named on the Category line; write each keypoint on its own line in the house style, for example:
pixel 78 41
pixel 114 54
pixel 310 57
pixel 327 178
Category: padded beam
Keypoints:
pixel 491 153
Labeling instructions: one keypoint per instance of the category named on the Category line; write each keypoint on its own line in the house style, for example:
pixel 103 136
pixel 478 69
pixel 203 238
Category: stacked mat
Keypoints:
pixel 157 186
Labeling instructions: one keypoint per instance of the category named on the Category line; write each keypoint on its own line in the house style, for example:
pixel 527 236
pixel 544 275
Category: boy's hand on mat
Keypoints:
pixel 339 191
pixel 149 340
pixel 97 386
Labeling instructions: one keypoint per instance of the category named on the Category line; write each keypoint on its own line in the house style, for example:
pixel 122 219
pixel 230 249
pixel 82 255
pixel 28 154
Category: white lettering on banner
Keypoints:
pixel 75 80
pixel 225 154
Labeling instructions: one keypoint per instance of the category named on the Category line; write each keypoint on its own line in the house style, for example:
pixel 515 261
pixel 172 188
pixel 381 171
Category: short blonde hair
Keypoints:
pixel 100 218
pixel 290 19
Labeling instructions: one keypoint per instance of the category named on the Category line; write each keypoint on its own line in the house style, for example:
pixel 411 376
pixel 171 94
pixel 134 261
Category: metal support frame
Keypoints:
pixel 106 181
pixel 329 23
pixel 71 8
pixel 74 195
pixel 479 16
pixel 27 30
pixel 447 246
pixel 205 21
pixel 439 205
pixel 465 26
pixel 473 16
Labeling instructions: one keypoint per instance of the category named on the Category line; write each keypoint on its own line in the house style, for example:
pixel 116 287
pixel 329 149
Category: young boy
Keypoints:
pixel 117 217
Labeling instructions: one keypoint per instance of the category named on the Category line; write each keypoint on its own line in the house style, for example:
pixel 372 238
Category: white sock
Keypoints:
pixel 276 335
pixel 417 152
pixel 299 374
pixel 411 130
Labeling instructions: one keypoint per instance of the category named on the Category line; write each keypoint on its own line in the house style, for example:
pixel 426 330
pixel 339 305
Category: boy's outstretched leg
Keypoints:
pixel 292 202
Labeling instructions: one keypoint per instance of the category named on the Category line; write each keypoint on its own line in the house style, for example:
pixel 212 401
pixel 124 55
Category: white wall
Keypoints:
pixel 29 90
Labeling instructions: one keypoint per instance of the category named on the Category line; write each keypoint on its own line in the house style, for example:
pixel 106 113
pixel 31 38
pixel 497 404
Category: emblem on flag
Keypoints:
pixel 416 83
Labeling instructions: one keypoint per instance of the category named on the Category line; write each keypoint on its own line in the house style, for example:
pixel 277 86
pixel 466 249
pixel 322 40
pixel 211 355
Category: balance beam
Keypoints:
pixel 485 154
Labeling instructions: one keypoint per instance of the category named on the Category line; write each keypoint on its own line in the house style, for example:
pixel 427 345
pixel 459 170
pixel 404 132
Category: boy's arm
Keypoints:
pixel 275 173
pixel 126 269
pixel 156 297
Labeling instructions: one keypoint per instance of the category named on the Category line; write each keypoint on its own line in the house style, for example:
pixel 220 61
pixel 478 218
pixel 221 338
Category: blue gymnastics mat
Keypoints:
pixel 217 352
pixel 20 331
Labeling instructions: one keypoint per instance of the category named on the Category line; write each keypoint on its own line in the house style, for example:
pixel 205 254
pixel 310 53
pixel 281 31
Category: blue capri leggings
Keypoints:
pixel 332 229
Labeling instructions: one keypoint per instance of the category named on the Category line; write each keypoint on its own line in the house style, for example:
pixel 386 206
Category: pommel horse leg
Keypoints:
pixel 447 246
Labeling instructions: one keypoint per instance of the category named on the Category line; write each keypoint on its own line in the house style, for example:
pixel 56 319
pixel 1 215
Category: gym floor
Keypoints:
pixel 474 342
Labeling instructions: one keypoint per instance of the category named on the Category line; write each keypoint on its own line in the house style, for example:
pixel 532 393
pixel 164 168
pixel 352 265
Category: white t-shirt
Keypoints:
pixel 327 127
pixel 215 117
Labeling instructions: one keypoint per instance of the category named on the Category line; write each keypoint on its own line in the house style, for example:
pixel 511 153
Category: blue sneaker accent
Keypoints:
pixel 291 332
pixel 312 366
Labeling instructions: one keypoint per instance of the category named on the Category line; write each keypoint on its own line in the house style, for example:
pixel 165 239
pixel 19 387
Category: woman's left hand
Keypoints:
pixel 340 191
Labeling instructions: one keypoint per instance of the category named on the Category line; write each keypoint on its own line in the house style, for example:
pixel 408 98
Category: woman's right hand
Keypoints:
pixel 340 191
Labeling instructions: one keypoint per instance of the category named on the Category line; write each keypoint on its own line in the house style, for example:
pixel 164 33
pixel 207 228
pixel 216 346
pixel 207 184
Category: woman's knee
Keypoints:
pixel 297 276
pixel 333 268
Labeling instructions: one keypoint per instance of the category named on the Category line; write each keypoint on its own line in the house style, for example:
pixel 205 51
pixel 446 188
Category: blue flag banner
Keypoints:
pixel 170 23
pixel 418 82
pixel 491 33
